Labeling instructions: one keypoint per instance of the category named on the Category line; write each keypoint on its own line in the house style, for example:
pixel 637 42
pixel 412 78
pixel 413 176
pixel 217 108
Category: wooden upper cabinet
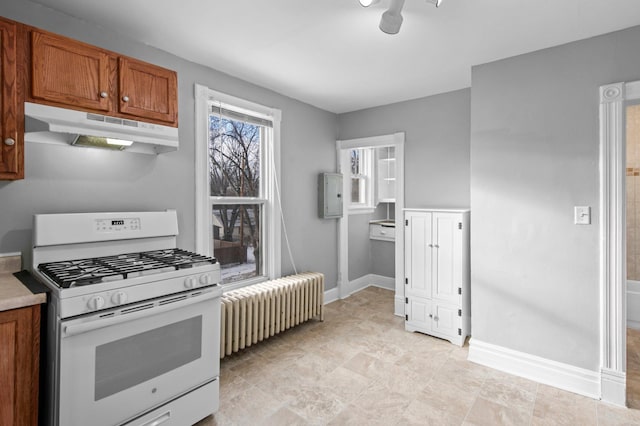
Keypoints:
pixel 11 121
pixel 69 72
pixel 147 91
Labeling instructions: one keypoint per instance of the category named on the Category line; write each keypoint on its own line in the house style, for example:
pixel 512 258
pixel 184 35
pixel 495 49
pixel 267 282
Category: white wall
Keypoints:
pixel 534 156
pixel 68 179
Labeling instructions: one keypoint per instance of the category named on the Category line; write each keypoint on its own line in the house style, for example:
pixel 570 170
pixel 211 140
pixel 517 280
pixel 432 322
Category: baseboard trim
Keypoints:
pixel 371 280
pixel 331 295
pixel 542 370
pixel 614 387
pixel 399 306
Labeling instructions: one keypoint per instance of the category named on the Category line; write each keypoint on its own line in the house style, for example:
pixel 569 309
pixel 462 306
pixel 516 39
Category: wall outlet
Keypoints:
pixel 582 215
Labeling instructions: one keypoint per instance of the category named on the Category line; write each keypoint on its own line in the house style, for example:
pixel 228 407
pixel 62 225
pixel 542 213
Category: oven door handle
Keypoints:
pixel 83 327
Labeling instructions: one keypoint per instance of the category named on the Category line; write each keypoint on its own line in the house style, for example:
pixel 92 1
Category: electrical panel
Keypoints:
pixel 329 195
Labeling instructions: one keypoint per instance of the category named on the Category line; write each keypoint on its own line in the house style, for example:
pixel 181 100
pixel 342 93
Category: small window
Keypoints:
pixel 361 160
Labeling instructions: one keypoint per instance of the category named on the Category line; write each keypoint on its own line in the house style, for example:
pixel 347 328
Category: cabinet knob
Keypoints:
pixel 125 99
pixel 435 318
pixel 104 95
pixel 430 316
pixel 436 246
pixel 9 141
pixel 430 245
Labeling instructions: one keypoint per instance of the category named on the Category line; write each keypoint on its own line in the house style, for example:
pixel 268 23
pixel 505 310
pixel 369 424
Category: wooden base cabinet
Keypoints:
pixel 437 294
pixel 19 358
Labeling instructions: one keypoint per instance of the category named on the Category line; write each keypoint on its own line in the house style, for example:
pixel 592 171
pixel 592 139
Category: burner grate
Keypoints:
pixel 179 258
pixel 81 272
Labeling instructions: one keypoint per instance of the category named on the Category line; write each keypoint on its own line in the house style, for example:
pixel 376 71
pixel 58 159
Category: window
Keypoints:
pixel 361 161
pixel 238 209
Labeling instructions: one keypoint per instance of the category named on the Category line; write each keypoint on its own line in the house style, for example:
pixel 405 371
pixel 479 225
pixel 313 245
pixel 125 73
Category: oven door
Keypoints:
pixel 116 365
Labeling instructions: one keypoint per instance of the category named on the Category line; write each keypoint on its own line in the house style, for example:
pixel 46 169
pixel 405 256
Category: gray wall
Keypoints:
pixel 534 156
pixel 368 256
pixel 436 144
pixel 67 179
pixel 436 165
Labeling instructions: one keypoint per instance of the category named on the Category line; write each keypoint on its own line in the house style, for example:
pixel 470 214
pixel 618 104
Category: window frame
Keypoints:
pixel 270 165
pixel 366 173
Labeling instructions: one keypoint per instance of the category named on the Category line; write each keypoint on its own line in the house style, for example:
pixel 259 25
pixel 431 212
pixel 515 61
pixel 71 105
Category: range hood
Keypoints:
pixel 48 124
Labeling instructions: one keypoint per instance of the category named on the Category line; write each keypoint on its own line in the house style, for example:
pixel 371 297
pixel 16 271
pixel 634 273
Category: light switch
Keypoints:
pixel 582 215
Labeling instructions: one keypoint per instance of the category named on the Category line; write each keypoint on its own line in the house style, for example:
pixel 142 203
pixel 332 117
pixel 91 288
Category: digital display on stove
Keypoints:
pixel 131 224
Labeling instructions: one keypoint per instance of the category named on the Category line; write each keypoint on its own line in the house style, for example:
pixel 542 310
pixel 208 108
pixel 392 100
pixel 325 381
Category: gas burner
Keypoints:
pixel 180 258
pixel 81 272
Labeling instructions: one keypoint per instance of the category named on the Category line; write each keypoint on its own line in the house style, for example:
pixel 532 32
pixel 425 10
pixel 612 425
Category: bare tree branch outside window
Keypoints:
pixel 234 169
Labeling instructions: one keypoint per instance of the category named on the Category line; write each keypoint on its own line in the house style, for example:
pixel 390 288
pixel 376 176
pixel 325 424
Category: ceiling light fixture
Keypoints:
pixel 391 20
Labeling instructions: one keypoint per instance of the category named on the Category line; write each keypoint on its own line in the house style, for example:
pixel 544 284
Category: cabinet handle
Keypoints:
pixel 125 99
pixel 9 141
pixel 430 316
pixel 436 246
pixel 104 95
pixel 435 318
pixel 430 245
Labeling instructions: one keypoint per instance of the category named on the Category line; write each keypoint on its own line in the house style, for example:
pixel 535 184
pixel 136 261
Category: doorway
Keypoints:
pixel 613 274
pixel 345 149
pixel 632 201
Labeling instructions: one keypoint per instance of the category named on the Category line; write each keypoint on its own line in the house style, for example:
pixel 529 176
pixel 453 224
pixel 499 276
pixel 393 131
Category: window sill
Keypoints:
pixel 361 210
pixel 244 283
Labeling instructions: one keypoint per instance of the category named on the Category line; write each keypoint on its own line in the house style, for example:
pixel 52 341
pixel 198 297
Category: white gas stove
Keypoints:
pixel 133 323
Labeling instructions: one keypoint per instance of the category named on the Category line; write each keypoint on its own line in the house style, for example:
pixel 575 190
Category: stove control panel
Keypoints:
pixel 112 298
pixel 117 225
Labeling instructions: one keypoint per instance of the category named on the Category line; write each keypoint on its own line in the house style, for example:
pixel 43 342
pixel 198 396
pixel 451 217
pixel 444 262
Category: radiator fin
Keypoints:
pixel 257 312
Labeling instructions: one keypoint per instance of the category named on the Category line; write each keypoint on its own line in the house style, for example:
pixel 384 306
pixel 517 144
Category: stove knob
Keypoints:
pixel 95 303
pixel 119 298
pixel 206 279
pixel 190 282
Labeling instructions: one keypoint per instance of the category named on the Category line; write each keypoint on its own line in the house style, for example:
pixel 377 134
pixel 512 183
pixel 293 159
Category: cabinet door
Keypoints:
pixel 419 314
pixel 445 319
pixel 69 72
pixel 418 265
pixel 447 242
pixel 11 144
pixel 148 91
pixel 18 367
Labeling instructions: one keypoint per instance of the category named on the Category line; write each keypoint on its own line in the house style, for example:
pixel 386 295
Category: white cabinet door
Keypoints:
pixel 447 259
pixel 418 263
pixel 418 311
pixel 445 319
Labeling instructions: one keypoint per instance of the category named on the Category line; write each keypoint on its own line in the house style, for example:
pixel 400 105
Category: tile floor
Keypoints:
pixel 359 367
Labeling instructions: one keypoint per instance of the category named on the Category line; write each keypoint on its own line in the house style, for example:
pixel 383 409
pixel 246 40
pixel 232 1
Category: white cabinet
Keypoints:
pixel 437 297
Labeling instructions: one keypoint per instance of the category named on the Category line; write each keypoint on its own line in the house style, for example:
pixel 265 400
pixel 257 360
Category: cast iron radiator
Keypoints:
pixel 257 312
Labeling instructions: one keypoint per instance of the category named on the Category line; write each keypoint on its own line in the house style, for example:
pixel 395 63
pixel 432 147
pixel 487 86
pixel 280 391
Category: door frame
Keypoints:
pixel 397 141
pixel 613 297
